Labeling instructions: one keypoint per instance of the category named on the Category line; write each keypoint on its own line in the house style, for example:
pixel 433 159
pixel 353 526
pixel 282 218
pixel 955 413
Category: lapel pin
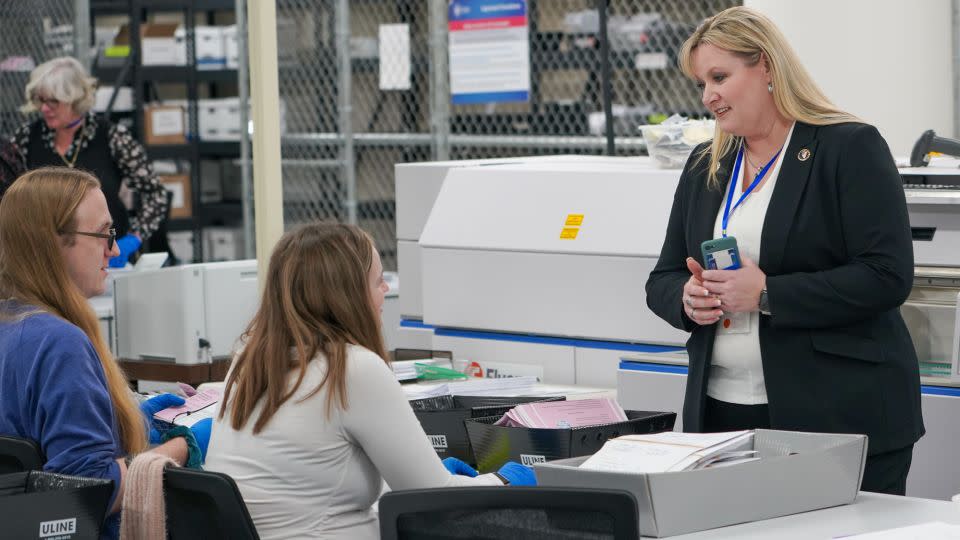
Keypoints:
pixel 803 154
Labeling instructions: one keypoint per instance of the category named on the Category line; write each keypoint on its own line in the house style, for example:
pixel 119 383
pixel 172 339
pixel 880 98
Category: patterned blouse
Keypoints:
pixel 130 157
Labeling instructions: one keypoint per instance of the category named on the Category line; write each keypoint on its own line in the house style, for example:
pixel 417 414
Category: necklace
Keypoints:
pixel 76 153
pixel 752 164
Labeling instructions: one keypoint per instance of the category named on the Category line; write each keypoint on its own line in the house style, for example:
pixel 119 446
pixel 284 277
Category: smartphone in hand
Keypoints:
pixel 721 254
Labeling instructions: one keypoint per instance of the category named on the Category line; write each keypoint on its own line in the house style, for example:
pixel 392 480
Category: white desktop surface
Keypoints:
pixel 871 512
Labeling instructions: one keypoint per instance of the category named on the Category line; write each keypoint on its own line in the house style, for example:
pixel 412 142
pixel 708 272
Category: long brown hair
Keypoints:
pixel 753 37
pixel 316 299
pixel 32 272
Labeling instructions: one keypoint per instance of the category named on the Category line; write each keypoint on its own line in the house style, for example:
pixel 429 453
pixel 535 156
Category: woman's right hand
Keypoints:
pixel 698 304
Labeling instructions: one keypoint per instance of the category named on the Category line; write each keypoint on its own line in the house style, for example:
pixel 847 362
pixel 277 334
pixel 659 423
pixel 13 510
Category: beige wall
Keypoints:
pixel 888 61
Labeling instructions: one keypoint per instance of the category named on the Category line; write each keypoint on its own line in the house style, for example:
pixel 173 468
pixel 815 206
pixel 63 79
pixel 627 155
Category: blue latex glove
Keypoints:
pixel 128 245
pixel 517 474
pixel 458 467
pixel 154 405
pixel 201 431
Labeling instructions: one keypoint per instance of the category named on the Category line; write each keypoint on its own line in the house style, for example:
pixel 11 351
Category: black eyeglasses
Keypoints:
pixel 41 101
pixel 110 235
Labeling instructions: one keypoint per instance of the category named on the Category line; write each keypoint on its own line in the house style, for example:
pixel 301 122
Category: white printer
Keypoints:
pixel 192 314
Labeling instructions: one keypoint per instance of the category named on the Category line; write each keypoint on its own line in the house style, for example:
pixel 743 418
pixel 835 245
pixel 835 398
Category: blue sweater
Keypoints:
pixel 53 390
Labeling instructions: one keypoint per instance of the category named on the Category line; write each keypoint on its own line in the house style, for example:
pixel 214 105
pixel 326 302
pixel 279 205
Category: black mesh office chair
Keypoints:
pixel 531 513
pixel 205 504
pixel 17 455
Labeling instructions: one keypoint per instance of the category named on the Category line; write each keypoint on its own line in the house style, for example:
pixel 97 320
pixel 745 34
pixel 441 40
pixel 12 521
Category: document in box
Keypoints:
pixel 564 414
pixel 201 405
pixel 671 451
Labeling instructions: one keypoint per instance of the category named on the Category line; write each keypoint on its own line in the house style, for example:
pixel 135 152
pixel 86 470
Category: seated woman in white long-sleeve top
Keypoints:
pixel 313 418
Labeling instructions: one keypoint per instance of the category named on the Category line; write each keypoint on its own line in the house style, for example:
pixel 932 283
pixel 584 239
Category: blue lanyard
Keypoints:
pixel 735 181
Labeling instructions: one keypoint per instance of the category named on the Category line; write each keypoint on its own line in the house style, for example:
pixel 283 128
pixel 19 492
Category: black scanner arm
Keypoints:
pixel 929 142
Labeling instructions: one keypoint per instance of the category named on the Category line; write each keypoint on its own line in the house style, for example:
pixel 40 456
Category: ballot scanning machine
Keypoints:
pixel 191 314
pixel 931 311
pixel 535 265
pixel 543 263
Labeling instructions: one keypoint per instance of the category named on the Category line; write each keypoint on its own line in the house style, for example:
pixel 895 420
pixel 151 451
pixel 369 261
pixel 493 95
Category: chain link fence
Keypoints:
pixel 348 117
pixel 33 32
pixel 345 131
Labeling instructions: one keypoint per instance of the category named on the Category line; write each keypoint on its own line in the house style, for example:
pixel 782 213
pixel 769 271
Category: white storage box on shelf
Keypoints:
pixel 210 48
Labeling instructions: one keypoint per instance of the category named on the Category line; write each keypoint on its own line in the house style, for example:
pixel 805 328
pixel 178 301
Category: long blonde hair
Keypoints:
pixel 751 35
pixel 32 272
pixel 316 299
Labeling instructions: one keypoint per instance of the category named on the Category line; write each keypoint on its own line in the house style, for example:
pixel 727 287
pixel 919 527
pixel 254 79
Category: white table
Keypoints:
pixel 869 513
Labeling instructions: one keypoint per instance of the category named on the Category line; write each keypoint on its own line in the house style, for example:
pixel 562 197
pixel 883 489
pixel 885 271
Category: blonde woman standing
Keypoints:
pixel 807 334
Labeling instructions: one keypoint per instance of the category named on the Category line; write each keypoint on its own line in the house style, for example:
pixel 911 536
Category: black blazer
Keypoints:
pixel 838 255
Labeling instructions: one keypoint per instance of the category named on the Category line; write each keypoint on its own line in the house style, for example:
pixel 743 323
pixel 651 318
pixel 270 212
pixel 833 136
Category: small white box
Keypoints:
pixel 209 47
pixel 181 244
pixel 222 244
pixel 231 48
pixel 219 119
pixel 208 119
pixel 123 103
pixel 180 38
pixel 159 46
pixel 228 118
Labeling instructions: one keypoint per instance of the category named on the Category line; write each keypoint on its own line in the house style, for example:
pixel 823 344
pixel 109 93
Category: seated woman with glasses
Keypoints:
pixel 313 419
pixel 68 133
pixel 59 384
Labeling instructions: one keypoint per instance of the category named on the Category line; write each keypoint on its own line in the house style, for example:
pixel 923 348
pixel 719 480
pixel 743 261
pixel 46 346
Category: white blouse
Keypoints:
pixel 736 371
pixel 309 476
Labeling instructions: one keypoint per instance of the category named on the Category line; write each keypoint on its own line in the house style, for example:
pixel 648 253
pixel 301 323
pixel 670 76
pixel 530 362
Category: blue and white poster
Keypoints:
pixel 489 51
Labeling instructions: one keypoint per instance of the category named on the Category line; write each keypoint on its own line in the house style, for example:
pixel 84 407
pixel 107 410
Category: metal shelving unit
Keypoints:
pixel 143 77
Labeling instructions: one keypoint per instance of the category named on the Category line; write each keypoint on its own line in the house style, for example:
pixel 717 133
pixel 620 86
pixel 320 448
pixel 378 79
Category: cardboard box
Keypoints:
pixel 797 472
pixel 159 45
pixel 443 417
pixel 115 53
pixel 164 124
pixel 180 204
pixel 209 47
pixel 44 505
pixel 495 445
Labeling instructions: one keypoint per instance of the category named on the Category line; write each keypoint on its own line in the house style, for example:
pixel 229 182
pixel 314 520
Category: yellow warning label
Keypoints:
pixel 574 220
pixel 569 233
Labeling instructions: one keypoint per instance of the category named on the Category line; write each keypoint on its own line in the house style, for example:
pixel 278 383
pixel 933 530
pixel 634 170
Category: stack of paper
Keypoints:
pixel 422 391
pixel 504 386
pixel 671 451
pixel 203 404
pixel 406 370
pixel 564 414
